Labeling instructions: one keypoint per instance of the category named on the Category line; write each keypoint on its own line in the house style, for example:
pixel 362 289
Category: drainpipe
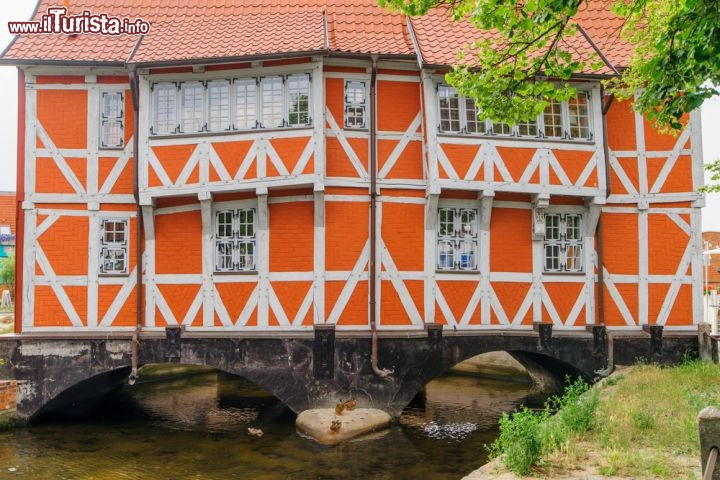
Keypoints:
pixel 134 86
pixel 372 267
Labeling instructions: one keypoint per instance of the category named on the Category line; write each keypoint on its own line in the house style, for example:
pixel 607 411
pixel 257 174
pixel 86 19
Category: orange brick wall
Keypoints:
pixel 178 245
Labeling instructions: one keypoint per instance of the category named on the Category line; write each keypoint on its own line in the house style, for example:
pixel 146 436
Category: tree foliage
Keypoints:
pixel 525 59
pixel 714 169
pixel 7 274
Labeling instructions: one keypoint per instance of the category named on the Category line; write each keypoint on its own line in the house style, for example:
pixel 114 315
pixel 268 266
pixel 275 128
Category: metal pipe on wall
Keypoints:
pixel 372 266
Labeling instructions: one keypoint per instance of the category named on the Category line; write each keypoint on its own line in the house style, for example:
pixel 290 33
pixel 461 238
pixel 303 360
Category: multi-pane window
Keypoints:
pixel 245 103
pixel 191 107
pixel 355 104
pixel 218 95
pixel 235 240
pixel 272 102
pixel 528 128
pixel 563 247
pixel 553 120
pixel 112 132
pixel 114 247
pixel 165 108
pixel 298 89
pixel 457 239
pixel 579 116
pixel 449 109
pixel 563 120
pixel 231 104
pixel 473 123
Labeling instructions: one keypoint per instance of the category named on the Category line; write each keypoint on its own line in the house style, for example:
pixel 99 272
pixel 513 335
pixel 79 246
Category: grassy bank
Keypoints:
pixel 645 426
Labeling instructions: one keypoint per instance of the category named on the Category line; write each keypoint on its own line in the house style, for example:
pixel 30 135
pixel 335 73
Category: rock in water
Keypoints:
pixel 316 423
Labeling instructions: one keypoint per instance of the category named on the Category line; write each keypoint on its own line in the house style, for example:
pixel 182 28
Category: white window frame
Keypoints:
pixel 564 243
pixel 352 105
pixel 111 246
pixel 5 230
pixel 457 238
pixel 196 122
pixel 108 120
pixel 489 128
pixel 222 122
pixel 233 245
pixel 172 116
pixel 256 106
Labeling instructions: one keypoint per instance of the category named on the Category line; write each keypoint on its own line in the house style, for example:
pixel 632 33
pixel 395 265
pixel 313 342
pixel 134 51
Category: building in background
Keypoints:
pixel 269 166
pixel 7 224
pixel 711 241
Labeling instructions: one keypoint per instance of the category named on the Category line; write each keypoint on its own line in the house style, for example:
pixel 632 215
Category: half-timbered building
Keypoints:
pixel 262 166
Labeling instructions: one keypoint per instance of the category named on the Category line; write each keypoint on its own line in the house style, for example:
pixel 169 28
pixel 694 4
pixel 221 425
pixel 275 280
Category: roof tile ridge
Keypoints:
pixel 415 42
pixel 597 49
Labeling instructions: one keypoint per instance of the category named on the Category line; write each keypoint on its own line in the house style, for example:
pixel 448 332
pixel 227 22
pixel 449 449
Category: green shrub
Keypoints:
pixel 521 441
pixel 576 407
pixel 526 435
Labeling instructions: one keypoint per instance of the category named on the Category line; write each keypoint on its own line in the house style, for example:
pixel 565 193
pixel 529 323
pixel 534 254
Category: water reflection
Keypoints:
pixel 196 428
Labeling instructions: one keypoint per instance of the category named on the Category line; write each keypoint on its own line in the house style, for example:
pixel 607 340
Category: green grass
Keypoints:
pixel 645 425
pixel 650 418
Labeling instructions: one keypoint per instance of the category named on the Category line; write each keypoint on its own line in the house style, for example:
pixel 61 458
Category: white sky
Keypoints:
pixel 14 10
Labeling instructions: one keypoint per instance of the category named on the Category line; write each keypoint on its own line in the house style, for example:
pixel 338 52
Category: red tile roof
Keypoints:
pixel 187 30
pixel 7 210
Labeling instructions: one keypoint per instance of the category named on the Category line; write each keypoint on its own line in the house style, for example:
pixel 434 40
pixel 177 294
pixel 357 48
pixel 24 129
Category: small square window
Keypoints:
pixel 235 240
pixel 114 247
pixel 112 131
pixel 355 104
pixel 563 247
pixel 457 239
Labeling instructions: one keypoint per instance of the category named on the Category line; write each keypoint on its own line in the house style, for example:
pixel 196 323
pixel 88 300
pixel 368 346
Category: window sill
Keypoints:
pixel 111 275
pixel 243 273
pixel 479 136
pixel 565 274
pixel 226 132
pixel 463 272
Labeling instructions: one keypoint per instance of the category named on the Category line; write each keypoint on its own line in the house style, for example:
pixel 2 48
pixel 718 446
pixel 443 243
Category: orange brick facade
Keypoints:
pixel 308 188
pixel 158 187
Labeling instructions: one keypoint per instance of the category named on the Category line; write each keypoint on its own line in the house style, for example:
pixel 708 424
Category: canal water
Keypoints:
pixel 196 427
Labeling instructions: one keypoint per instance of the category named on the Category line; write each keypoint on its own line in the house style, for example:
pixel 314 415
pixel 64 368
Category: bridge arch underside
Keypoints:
pixel 315 371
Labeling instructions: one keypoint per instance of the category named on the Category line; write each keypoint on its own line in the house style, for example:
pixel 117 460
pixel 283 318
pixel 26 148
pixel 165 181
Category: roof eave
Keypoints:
pixel 34 62
pixel 219 60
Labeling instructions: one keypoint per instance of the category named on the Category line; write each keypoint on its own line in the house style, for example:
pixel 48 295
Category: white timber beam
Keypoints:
pixel 539 202
pixel 143 153
pixel 486 202
pixel 93 268
pixel 29 259
pixel 431 219
pixel 207 288
pixel 429 107
pixel 318 138
pixel 148 214
pixel 263 257
pixel 593 217
pixel 319 257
